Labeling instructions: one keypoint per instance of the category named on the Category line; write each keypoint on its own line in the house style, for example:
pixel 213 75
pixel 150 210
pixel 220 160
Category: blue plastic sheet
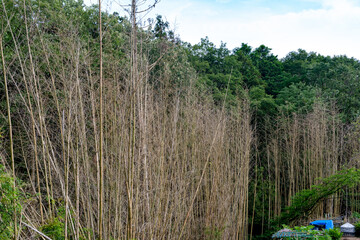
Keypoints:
pixel 322 224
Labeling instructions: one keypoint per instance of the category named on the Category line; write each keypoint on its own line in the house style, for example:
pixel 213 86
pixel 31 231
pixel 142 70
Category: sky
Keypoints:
pixel 328 27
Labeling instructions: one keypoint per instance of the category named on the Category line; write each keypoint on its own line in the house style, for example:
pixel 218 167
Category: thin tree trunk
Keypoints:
pixel 10 131
pixel 101 177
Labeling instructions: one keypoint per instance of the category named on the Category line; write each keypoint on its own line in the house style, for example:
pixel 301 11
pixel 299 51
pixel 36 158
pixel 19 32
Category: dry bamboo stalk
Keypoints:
pixel 17 52
pixel 101 157
pixel 40 112
pixel 10 130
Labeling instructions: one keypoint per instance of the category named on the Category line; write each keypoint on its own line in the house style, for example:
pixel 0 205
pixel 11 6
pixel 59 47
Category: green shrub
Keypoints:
pixel 357 229
pixel 9 204
pixel 355 215
pixel 335 233
pixel 316 234
pixel 54 229
pixel 323 237
pixel 214 233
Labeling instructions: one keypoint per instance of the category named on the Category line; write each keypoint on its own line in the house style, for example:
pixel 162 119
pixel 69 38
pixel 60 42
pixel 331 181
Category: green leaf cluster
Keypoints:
pixel 291 85
pixel 315 234
pixel 55 227
pixel 335 233
pixel 357 229
pixel 10 204
pixel 305 201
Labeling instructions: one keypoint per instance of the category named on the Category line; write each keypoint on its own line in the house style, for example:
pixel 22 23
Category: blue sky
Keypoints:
pixel 329 27
pixel 275 6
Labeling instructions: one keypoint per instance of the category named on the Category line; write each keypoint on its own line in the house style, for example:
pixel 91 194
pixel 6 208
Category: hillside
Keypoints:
pixel 127 132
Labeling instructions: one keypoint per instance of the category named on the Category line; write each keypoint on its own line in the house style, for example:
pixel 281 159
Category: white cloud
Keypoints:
pixel 336 3
pixel 330 30
pixel 223 1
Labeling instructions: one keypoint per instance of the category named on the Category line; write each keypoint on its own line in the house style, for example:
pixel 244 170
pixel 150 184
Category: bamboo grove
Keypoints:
pixel 112 133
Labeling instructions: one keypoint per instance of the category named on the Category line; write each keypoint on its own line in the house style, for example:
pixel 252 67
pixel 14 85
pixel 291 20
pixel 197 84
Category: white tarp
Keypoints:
pixel 347 228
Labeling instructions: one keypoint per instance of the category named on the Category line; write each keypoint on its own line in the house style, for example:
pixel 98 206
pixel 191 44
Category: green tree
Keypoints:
pixel 337 77
pixel 298 98
pixel 218 70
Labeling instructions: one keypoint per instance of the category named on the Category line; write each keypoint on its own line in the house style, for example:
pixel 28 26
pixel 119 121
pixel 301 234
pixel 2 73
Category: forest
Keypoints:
pixel 112 127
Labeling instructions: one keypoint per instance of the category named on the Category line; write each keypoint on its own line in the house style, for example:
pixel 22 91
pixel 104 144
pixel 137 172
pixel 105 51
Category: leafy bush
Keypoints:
pixel 54 229
pixel 355 215
pixel 335 233
pixel 214 233
pixel 323 237
pixel 318 235
pixel 9 204
pixel 357 229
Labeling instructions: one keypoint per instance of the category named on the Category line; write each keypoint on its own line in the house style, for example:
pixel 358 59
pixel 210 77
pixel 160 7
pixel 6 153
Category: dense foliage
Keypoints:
pixel 357 229
pixel 306 200
pixel 201 141
pixel 10 204
pixel 292 84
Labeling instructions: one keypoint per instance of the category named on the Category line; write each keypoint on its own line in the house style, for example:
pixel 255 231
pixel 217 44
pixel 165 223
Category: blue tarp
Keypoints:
pixel 322 224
